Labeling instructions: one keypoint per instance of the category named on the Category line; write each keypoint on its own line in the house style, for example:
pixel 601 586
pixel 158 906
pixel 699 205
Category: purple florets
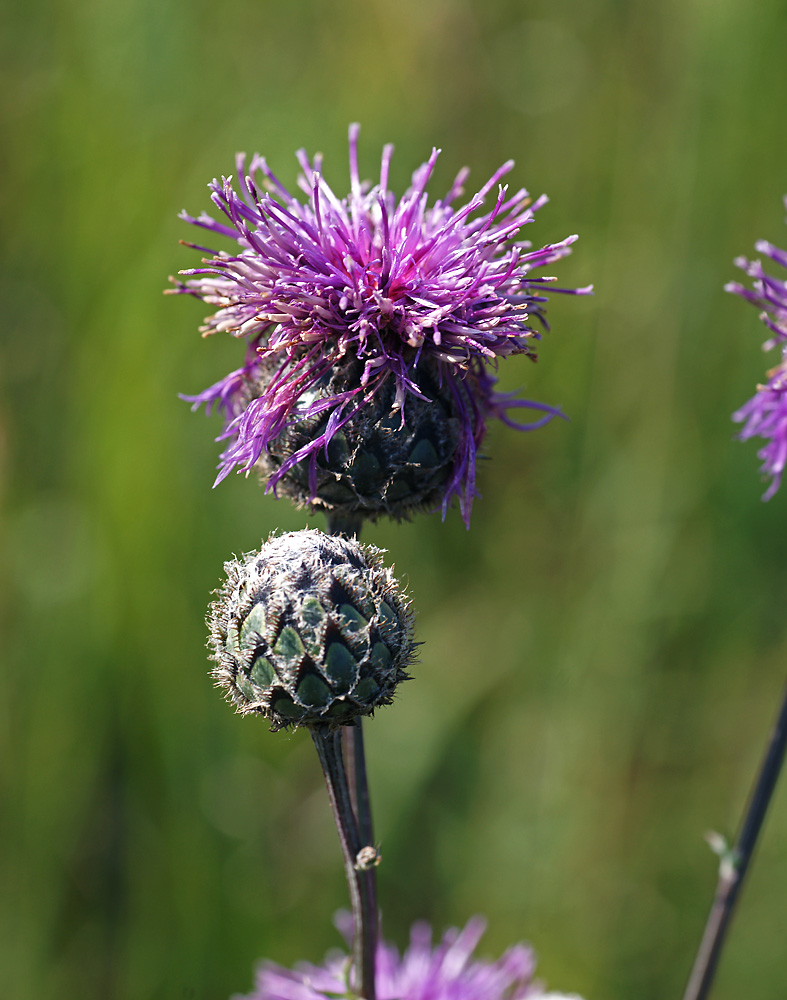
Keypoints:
pixel 447 972
pixel 391 283
pixel 765 414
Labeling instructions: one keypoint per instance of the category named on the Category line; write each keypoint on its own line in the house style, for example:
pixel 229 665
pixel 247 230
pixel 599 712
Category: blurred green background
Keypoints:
pixel 604 650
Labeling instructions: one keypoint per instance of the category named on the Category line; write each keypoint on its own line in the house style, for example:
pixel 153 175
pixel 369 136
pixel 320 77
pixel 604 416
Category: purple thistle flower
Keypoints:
pixel 448 972
pixel 765 414
pixel 420 299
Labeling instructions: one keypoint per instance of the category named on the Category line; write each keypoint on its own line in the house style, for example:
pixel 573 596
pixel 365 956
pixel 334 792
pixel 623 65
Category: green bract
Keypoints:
pixel 382 461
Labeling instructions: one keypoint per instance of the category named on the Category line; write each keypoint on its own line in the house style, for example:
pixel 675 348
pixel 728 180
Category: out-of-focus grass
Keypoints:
pixel 604 650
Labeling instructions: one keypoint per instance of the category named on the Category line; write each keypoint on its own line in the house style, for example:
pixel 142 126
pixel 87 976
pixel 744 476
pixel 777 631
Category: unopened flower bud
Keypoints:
pixel 312 629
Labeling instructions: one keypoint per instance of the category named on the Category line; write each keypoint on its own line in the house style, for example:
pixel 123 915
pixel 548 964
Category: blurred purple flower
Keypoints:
pixel 391 283
pixel 447 972
pixel 765 414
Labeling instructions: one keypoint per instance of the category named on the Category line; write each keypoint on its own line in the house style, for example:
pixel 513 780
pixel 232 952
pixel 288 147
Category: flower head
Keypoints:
pixel 447 972
pixel 342 301
pixel 765 414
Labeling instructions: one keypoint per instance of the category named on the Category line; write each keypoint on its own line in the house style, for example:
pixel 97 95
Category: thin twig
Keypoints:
pixel 735 863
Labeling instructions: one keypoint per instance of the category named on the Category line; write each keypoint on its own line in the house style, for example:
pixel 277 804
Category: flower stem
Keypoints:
pixel 361 875
pixel 359 879
pixel 735 863
pixel 355 758
pixel 348 525
pixel 368 857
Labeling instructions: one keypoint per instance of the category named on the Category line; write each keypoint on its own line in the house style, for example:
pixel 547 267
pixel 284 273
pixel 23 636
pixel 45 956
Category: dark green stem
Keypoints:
pixel 362 888
pixel 361 874
pixel 735 863
pixel 355 758
pixel 348 525
pixel 368 858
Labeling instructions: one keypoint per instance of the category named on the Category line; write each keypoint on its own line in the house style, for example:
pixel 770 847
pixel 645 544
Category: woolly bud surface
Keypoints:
pixel 312 629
